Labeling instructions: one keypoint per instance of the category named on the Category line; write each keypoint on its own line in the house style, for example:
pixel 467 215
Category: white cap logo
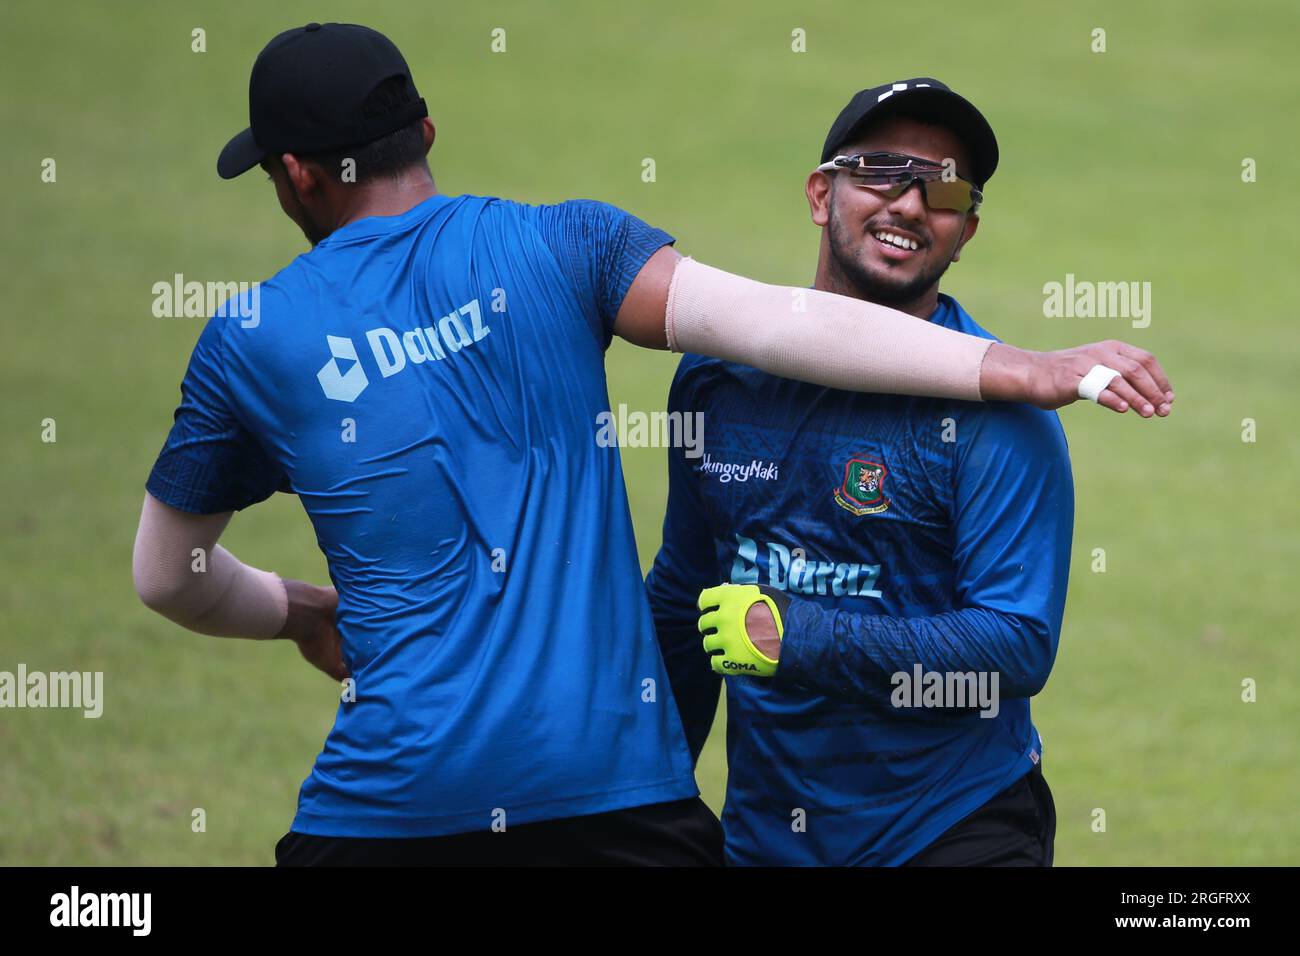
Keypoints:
pixel 897 88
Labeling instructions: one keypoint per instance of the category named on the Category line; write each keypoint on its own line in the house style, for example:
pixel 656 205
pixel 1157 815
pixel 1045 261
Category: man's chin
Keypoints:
pixel 892 285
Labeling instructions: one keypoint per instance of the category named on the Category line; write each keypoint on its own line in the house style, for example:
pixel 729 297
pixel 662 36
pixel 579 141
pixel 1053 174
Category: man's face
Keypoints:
pixel 290 201
pixel 855 216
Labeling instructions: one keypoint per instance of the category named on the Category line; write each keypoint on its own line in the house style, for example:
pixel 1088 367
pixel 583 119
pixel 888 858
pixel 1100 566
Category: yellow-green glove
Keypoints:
pixel 722 623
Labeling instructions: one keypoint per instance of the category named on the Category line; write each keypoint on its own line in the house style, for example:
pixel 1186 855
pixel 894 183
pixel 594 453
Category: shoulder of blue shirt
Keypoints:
pixel 585 210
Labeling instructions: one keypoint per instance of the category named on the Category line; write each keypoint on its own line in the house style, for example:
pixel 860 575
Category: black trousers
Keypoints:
pixel 679 833
pixel 1016 828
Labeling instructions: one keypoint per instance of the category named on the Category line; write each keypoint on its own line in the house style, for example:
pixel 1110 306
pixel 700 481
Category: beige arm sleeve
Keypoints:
pixel 818 337
pixel 182 573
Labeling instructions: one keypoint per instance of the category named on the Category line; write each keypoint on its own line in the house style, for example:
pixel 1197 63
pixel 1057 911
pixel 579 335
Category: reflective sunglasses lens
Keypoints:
pixel 957 195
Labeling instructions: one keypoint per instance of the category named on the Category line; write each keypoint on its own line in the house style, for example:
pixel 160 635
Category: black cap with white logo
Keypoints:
pixel 310 92
pixel 923 98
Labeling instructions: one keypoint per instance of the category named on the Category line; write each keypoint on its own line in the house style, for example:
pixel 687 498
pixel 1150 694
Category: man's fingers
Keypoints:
pixel 1153 367
pixel 339 669
pixel 324 651
pixel 1143 393
pixel 708 622
pixel 710 599
pixel 1109 399
pixel 1138 388
pixel 1125 397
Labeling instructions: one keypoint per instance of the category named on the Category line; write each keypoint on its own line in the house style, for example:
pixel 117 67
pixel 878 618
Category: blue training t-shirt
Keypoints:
pixel 428 385
pixel 914 536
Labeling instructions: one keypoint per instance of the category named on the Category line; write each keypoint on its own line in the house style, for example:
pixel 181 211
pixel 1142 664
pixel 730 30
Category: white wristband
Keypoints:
pixel 1095 382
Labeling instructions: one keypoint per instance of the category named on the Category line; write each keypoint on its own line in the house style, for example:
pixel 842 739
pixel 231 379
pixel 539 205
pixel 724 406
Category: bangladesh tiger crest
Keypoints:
pixel 863 489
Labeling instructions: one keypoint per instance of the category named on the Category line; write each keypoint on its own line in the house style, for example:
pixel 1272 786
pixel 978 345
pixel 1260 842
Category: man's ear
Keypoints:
pixel 818 189
pixel 430 133
pixel 304 177
pixel 967 233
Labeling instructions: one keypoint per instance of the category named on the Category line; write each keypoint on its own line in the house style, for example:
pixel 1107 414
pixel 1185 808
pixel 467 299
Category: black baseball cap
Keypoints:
pixel 309 90
pixel 923 98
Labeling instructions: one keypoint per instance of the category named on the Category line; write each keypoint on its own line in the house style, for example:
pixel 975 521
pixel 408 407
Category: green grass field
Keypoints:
pixel 1118 166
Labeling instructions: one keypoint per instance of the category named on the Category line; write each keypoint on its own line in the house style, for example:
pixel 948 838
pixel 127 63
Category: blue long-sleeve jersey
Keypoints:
pixel 906 531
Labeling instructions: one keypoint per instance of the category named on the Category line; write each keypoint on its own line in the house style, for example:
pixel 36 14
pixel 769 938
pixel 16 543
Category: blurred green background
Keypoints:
pixel 1119 166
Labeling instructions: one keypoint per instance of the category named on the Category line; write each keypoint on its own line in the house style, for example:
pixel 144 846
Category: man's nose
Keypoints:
pixel 910 204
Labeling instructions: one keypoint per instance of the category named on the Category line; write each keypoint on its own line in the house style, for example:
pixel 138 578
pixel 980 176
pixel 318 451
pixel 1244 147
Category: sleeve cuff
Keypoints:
pixel 806 645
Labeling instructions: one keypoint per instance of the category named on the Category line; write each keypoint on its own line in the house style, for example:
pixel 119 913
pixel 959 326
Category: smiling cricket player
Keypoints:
pixel 875 543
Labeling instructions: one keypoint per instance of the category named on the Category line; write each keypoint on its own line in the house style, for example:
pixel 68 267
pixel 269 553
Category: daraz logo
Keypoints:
pixel 342 378
pixel 337 384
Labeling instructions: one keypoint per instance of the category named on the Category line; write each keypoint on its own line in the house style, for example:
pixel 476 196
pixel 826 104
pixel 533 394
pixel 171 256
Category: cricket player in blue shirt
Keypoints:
pixel 895 567
pixel 428 380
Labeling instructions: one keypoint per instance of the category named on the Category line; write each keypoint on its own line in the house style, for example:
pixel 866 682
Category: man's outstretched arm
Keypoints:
pixel 183 574
pixel 685 306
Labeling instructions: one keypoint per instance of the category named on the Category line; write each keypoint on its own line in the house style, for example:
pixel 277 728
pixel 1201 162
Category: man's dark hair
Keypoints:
pixel 388 155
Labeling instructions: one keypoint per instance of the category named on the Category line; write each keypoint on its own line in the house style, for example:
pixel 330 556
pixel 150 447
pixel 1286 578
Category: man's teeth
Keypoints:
pixel 899 241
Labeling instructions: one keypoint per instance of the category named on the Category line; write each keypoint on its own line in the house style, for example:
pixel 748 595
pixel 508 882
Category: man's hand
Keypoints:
pixel 1051 379
pixel 310 625
pixel 742 626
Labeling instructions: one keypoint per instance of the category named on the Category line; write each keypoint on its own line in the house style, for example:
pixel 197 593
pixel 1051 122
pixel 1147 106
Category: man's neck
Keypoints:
pixel 391 197
pixel 923 306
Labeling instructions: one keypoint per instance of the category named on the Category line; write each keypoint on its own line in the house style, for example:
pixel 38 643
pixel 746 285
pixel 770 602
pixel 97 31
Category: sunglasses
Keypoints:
pixel 892 174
